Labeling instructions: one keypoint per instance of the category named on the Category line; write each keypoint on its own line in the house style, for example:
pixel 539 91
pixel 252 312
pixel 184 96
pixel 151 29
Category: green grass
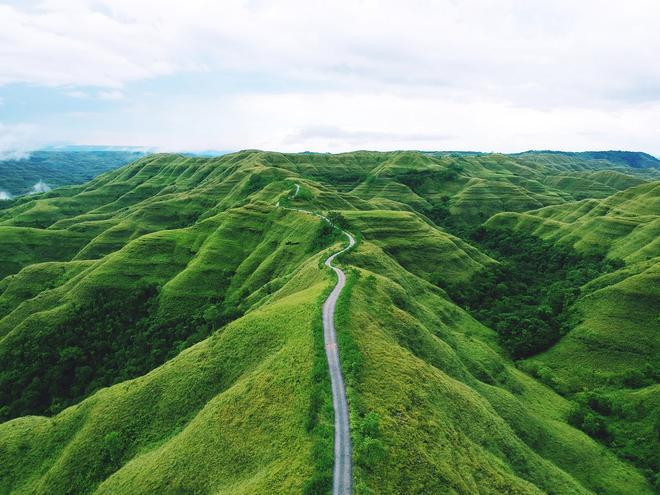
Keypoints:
pixel 611 339
pixel 456 411
pixel 242 394
pixel 22 246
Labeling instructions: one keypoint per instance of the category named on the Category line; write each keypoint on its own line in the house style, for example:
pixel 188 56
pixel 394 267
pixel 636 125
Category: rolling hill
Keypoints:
pixel 160 326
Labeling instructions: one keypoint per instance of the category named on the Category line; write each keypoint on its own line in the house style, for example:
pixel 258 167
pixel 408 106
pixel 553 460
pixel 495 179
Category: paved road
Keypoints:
pixel 342 480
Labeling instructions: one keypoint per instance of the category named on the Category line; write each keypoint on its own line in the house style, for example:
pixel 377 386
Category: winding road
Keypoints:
pixel 342 480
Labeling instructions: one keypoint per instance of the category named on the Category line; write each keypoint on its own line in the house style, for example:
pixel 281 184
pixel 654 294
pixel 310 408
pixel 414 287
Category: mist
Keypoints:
pixel 16 141
pixel 40 187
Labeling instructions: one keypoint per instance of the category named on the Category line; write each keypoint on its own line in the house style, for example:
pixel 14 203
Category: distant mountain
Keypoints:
pixel 46 169
pixel 634 159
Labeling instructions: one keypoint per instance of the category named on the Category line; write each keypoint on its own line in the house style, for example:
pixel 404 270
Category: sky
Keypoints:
pixel 297 75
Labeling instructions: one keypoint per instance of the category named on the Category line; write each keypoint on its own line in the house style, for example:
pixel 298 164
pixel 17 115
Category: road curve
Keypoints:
pixel 342 479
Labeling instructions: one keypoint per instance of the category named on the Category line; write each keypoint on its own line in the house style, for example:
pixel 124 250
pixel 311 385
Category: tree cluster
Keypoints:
pixel 527 296
pixel 116 337
pixel 617 422
pixel 414 179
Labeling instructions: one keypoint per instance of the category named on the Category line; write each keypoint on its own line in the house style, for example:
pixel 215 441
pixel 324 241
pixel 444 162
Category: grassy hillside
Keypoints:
pixel 160 329
pixel 225 416
pixel 610 354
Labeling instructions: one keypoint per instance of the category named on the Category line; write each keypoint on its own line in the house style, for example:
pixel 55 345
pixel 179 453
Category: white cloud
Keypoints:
pixel 559 51
pixel 78 45
pixel 16 141
pixel 77 94
pixel 104 94
pixel 503 75
pixel 336 121
pixel 110 95
pixel 336 135
pixel 383 121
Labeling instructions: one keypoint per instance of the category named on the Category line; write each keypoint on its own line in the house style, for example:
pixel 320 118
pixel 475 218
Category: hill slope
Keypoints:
pixel 610 356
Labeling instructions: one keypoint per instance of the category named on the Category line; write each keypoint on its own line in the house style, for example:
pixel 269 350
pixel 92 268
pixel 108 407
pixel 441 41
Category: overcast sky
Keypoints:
pixel 294 75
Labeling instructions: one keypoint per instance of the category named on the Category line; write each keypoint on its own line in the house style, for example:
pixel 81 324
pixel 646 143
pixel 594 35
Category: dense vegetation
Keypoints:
pixel 613 420
pixel 116 337
pixel 528 295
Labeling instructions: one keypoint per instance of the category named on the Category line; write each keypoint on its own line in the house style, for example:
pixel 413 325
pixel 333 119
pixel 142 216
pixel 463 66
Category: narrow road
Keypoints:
pixel 342 479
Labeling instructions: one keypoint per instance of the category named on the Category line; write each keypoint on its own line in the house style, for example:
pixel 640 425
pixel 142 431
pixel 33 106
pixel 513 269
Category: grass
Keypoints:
pixel 242 393
pixel 454 414
pixel 319 419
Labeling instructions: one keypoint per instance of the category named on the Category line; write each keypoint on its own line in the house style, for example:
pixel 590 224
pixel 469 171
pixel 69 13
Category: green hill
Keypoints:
pixel 612 348
pixel 160 327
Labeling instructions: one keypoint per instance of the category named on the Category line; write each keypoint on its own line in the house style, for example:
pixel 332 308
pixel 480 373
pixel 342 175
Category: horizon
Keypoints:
pixel 218 152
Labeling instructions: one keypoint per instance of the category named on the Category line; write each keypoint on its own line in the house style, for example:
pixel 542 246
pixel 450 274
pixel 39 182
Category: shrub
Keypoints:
pixel 369 448
pixel 638 378
pixel 324 235
pixel 338 219
pixel 112 449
